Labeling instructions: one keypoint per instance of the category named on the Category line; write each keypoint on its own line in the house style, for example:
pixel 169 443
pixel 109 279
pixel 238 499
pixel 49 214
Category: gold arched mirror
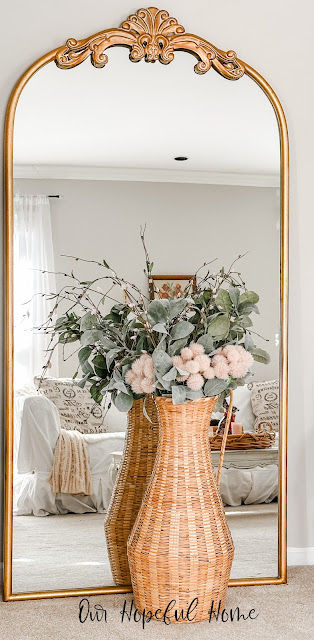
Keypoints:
pixel 93 154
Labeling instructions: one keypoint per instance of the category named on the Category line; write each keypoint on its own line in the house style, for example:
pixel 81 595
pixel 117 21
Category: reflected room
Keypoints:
pixel 110 166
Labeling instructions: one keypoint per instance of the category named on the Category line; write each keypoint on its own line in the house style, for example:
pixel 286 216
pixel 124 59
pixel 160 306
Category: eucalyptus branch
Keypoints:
pixel 257 334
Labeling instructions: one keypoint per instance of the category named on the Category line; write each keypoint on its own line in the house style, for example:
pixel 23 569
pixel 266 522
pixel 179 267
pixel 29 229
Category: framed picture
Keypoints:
pixel 171 286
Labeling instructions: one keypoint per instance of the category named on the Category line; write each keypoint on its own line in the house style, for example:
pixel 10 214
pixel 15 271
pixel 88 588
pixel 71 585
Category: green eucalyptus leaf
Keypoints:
pixel 215 386
pixel 194 395
pixel 178 394
pixel 162 344
pixel 260 355
pixel 91 336
pixel 219 327
pixel 233 385
pixel 245 322
pixel 181 330
pixel 219 403
pixel 145 411
pixel 176 346
pixel 88 321
pixel 249 297
pixel 162 361
pixel 107 343
pixel 66 338
pixel 163 384
pixel 176 306
pixel 160 328
pixel 101 373
pixel 248 342
pixel 158 311
pixel 99 361
pixel 140 345
pixel 234 294
pixel 182 372
pixel 119 384
pixel 207 342
pixel 84 354
pixel 110 356
pixel 96 393
pixel 247 307
pixel 60 322
pixel 123 401
pixel 238 382
pixel 223 301
pixel 207 295
pixel 171 375
pixel 125 369
pixel 87 368
pixel 82 382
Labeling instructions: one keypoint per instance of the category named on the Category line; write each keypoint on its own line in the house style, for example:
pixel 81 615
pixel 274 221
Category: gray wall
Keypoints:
pixel 266 34
pixel 186 225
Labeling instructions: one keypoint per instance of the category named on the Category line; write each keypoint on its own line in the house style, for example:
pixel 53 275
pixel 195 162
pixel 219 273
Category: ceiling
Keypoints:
pixel 138 117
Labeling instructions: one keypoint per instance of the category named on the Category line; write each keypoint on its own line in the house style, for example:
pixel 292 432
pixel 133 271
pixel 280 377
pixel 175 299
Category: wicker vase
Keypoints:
pixel 131 483
pixel 180 547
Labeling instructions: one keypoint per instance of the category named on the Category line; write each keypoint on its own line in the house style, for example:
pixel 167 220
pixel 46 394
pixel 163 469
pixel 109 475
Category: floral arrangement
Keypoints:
pixel 185 348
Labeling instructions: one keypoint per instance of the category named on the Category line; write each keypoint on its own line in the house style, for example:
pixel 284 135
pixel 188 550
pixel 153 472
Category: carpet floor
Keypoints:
pixel 284 612
pixel 69 552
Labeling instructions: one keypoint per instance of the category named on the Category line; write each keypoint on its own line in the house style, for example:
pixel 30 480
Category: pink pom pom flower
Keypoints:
pixel 186 354
pixel 197 349
pixel 195 381
pixel 209 373
pixel 192 366
pixel 221 367
pixel 203 362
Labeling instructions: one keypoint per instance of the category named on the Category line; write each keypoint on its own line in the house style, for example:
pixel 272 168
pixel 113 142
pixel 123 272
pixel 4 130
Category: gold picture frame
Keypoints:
pixel 170 286
pixel 152 35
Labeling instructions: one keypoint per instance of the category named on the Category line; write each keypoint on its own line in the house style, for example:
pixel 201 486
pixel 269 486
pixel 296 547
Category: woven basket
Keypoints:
pixel 180 547
pixel 131 483
pixel 261 440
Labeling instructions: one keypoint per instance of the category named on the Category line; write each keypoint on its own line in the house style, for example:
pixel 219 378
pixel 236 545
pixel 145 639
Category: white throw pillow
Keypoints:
pixel 242 400
pixel 245 415
pixel 76 407
pixel 265 402
pixel 115 420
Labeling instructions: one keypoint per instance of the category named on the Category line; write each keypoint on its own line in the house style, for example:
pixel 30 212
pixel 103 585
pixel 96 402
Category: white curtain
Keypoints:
pixel 33 254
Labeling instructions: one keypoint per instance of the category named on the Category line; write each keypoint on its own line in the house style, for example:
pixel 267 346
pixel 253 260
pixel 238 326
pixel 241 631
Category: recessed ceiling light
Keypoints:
pixel 181 158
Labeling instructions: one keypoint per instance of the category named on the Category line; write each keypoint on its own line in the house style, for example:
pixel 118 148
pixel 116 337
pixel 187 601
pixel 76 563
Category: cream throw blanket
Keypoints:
pixel 70 470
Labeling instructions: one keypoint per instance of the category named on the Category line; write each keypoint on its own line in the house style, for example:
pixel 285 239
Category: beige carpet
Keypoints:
pixel 285 612
pixel 69 552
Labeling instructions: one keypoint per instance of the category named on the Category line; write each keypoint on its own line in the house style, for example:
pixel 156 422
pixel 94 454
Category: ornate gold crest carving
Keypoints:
pixel 150 34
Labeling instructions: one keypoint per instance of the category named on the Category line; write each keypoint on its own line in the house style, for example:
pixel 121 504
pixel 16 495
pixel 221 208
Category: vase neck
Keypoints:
pixel 190 418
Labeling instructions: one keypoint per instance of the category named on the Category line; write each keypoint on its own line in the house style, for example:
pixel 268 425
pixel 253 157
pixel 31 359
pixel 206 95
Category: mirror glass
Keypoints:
pixel 96 159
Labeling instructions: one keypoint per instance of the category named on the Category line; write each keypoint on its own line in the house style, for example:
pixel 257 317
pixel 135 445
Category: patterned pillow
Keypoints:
pixel 76 407
pixel 265 403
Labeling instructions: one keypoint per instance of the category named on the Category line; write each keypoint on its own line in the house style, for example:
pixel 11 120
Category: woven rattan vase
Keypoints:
pixel 180 547
pixel 131 483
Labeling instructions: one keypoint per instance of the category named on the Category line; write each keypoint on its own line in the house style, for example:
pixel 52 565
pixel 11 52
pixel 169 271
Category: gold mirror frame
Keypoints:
pixel 152 35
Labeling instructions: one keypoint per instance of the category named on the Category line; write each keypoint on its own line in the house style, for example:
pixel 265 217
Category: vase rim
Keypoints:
pixel 163 399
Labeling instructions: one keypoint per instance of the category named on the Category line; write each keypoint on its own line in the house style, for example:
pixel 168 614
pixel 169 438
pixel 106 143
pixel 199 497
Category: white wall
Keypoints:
pixel 275 38
pixel 187 225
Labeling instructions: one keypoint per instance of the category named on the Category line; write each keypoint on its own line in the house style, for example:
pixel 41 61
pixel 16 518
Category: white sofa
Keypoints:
pixel 37 428
pixel 247 477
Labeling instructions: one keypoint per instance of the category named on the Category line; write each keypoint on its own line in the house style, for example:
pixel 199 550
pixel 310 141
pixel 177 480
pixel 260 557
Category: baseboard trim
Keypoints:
pixel 300 556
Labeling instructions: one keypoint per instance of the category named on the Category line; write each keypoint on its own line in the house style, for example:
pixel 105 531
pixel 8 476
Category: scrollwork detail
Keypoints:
pixel 150 34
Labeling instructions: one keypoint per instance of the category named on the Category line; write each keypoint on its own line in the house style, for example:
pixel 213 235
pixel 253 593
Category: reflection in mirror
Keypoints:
pixel 95 161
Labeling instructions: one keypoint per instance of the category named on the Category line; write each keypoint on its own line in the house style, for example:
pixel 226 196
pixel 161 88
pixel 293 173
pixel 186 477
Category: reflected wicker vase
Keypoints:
pixel 180 547
pixel 131 483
